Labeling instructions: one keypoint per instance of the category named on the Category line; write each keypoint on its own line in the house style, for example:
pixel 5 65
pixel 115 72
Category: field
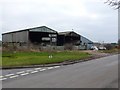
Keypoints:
pixel 36 58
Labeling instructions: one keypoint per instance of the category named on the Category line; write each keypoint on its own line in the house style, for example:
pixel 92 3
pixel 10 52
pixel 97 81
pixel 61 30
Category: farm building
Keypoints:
pixel 68 37
pixel 72 38
pixel 85 43
pixel 32 37
pixel 45 38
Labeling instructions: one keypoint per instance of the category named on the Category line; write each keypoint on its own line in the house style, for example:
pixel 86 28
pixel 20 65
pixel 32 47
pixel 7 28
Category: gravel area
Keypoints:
pixel 97 53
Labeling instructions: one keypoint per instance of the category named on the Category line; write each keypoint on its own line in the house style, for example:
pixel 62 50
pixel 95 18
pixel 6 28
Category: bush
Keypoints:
pixel 68 47
pixel 109 46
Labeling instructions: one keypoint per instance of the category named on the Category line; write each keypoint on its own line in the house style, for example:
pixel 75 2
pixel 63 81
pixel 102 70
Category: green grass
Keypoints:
pixel 37 58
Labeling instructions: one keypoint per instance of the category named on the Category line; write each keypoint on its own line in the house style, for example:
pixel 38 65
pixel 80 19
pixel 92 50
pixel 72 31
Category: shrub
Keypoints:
pixel 109 46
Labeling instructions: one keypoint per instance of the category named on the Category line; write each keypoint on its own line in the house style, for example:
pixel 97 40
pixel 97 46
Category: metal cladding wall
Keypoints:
pixel 43 36
pixel 86 42
pixel 15 37
pixel 42 29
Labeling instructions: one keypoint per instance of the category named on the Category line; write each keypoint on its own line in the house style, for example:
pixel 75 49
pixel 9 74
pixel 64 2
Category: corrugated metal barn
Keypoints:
pixel 40 36
pixel 74 39
pixel 45 38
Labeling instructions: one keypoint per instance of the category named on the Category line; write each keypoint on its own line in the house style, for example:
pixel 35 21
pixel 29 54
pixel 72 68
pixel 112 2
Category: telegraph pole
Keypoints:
pixel 50 56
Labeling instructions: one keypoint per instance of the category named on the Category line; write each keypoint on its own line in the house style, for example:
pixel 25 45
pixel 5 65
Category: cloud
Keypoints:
pixel 87 17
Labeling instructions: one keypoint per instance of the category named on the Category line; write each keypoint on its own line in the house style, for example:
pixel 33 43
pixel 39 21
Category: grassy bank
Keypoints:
pixel 37 58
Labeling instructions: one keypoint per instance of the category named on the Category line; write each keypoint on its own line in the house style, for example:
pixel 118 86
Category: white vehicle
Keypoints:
pixel 102 48
pixel 94 48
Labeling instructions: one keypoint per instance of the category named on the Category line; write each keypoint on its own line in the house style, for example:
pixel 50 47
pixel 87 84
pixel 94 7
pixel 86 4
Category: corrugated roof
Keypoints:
pixel 63 33
pixel 32 29
pixel 87 39
pixel 67 33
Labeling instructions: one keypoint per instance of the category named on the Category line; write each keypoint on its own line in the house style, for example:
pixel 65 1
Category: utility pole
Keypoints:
pixel 50 55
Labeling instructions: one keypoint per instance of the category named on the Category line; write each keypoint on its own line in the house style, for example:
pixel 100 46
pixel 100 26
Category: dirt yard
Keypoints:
pixel 96 53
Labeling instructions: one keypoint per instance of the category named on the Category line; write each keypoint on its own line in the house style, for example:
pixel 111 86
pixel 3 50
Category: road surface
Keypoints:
pixel 99 73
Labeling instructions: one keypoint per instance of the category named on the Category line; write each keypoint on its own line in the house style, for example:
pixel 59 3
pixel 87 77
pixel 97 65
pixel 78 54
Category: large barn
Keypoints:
pixel 45 38
pixel 39 36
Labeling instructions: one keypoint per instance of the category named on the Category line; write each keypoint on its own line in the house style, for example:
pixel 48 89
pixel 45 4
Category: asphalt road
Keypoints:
pixel 99 73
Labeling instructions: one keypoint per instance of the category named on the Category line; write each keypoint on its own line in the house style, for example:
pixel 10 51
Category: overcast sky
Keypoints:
pixel 91 18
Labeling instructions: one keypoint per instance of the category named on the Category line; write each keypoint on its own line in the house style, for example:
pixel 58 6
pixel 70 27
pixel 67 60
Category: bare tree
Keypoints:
pixel 113 3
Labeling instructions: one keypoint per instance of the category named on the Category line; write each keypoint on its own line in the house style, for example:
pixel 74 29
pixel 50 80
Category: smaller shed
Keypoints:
pixel 68 37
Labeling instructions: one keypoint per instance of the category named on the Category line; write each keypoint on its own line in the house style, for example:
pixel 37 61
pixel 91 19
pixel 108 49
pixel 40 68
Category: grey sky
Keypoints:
pixel 90 18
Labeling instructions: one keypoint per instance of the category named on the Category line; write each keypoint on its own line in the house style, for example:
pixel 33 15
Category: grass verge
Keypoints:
pixel 37 58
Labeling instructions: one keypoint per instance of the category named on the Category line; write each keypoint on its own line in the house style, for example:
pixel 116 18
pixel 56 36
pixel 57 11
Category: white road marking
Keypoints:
pixel 1 76
pixel 50 67
pixel 9 75
pixel 56 66
pixel 14 76
pixel 37 68
pixel 42 69
pixel 3 79
pixel 29 70
pixel 34 71
pixel 24 74
pixel 20 72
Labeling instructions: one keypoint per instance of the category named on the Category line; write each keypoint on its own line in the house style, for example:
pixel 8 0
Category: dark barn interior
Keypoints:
pixel 60 40
pixel 41 38
pixel 68 38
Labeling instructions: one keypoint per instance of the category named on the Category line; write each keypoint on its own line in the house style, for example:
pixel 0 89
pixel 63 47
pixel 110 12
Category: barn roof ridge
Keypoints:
pixel 27 29
pixel 67 32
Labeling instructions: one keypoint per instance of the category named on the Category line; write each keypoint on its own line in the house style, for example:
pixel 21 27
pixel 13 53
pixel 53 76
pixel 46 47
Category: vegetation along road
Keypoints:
pixel 99 73
pixel 36 58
